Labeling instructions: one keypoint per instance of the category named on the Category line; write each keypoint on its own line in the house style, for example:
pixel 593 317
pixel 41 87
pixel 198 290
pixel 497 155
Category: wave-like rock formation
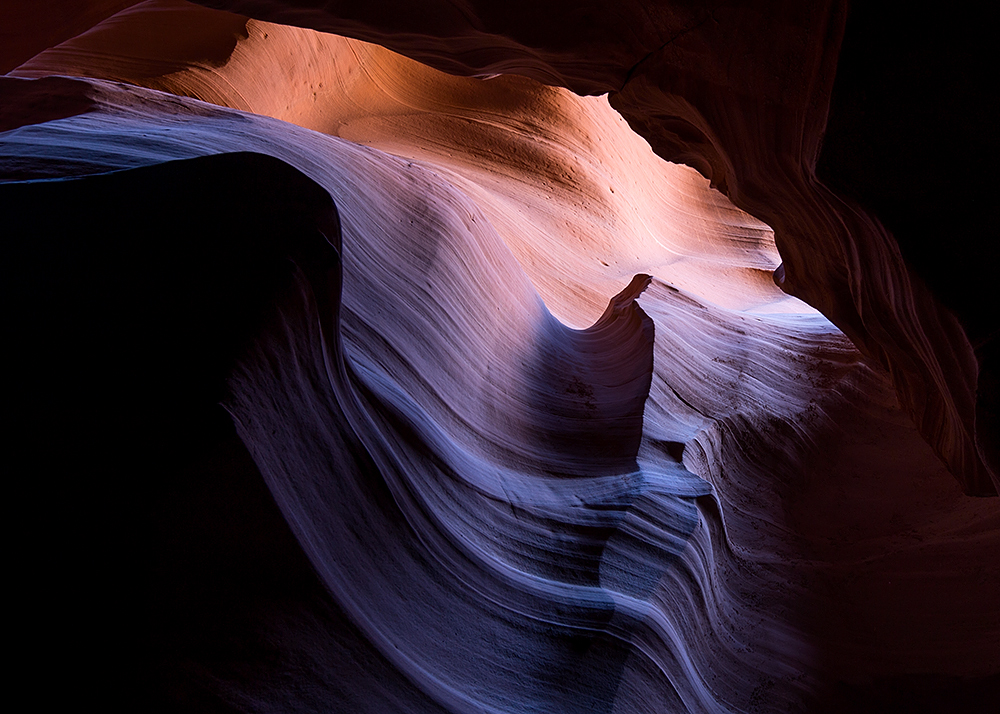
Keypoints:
pixel 361 382
pixel 741 93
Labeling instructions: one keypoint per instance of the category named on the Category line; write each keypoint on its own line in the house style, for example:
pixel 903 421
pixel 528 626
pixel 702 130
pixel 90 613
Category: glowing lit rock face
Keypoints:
pixel 547 432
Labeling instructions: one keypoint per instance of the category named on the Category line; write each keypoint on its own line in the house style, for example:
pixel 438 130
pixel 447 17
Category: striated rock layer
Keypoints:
pixel 741 93
pixel 538 429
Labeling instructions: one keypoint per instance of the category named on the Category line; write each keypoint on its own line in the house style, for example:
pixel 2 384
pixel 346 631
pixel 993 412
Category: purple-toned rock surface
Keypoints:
pixel 360 382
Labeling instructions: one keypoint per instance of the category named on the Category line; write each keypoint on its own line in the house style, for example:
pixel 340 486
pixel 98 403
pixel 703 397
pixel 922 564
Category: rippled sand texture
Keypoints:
pixel 528 398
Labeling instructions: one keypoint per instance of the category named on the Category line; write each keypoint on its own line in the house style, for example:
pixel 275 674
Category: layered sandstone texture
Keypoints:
pixel 490 357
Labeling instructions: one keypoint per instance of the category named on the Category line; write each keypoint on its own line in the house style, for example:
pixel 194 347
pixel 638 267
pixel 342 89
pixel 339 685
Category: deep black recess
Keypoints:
pixel 152 547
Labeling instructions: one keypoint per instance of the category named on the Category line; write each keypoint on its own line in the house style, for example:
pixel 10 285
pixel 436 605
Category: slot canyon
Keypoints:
pixel 470 356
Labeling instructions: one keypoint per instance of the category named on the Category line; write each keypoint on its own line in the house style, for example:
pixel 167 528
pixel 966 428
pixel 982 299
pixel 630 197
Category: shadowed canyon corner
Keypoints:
pixel 431 356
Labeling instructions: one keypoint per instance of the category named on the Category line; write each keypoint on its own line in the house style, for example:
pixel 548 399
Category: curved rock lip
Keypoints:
pixel 23 103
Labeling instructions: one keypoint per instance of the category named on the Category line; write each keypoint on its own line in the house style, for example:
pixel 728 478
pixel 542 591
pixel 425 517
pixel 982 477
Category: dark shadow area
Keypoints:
pixel 917 694
pixel 156 570
pixel 912 138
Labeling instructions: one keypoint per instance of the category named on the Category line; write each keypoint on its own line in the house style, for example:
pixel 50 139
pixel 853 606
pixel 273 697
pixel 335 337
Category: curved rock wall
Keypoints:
pixel 740 92
pixel 542 432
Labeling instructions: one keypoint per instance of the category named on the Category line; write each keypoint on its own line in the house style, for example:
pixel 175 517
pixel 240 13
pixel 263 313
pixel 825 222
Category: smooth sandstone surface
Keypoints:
pixel 740 92
pixel 539 429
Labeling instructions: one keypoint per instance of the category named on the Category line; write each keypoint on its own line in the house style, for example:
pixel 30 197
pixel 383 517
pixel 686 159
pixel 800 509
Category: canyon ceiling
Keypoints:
pixel 504 357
